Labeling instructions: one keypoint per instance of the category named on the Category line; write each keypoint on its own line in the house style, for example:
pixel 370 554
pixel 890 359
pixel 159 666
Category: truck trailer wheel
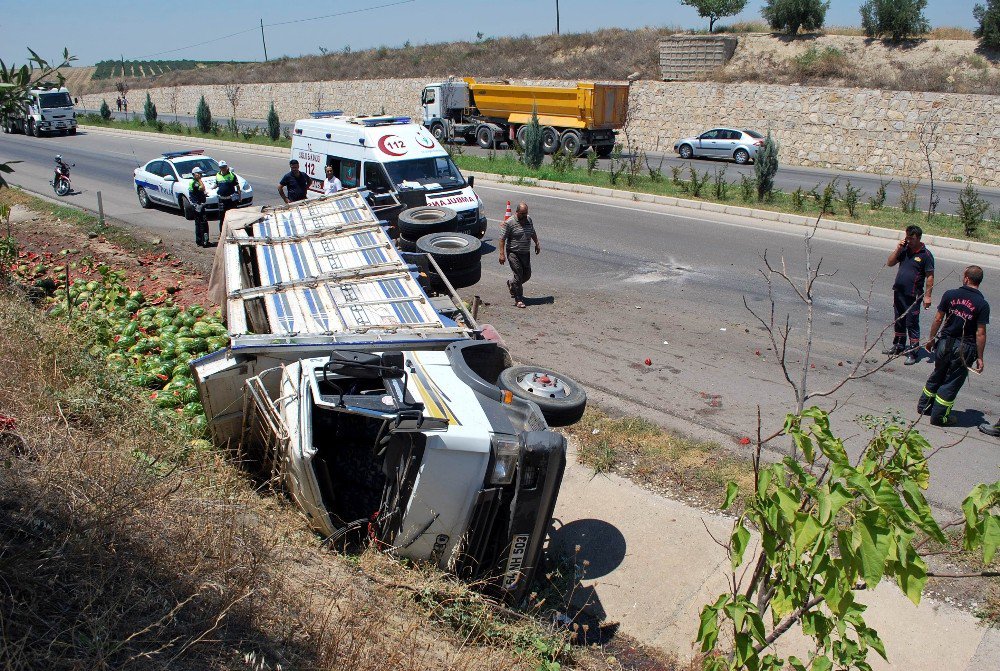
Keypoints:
pixel 416 222
pixel 572 142
pixel 484 137
pixel 522 136
pixel 604 150
pixel 550 140
pixel 452 251
pixel 561 399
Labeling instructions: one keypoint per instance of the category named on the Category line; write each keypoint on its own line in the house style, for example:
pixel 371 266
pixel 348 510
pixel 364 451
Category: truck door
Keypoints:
pixel 430 104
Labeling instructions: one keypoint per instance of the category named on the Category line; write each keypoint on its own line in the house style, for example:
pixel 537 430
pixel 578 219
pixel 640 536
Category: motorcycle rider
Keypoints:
pixel 227 185
pixel 198 195
pixel 61 171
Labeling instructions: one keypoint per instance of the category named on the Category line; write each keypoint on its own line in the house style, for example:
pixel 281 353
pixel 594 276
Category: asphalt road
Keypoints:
pixel 619 282
pixel 788 179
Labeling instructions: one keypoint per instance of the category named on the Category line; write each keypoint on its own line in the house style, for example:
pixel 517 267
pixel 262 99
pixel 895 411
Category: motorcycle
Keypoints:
pixel 60 179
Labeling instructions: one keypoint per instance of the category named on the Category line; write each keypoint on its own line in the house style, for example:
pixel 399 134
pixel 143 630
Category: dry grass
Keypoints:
pixel 939 33
pixel 123 545
pixel 665 462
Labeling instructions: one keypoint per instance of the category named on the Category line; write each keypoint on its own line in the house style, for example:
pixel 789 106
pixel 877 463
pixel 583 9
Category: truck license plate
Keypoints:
pixel 518 548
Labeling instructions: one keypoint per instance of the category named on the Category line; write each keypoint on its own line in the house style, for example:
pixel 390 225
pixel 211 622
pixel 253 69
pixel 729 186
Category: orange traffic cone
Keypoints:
pixel 506 215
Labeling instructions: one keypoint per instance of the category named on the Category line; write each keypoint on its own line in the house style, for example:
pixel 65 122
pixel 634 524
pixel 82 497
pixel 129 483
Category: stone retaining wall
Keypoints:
pixel 873 131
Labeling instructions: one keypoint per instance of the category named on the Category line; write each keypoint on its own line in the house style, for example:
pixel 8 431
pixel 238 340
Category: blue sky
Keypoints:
pixel 102 29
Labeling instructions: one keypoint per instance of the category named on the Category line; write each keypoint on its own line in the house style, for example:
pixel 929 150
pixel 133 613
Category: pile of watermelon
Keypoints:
pixel 151 340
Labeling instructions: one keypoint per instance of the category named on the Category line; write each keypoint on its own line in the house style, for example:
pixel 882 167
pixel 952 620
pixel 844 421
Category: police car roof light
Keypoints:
pixel 188 152
pixel 326 114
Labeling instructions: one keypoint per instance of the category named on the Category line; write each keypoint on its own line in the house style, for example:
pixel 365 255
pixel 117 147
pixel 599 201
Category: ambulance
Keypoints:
pixel 386 155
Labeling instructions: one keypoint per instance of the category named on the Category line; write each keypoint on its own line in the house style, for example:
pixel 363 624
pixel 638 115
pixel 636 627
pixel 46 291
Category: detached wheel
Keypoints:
pixel 144 201
pixel 741 156
pixel 561 399
pixel 460 278
pixel 572 143
pixel 685 151
pixel 550 140
pixel 416 222
pixel 404 245
pixel 186 208
pixel 452 251
pixel 484 137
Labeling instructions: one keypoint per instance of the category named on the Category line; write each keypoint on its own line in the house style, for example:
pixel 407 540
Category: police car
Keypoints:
pixel 166 180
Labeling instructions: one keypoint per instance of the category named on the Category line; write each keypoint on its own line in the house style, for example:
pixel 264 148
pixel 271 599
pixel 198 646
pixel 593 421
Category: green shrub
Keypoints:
pixel 877 201
pixel 851 197
pixel 766 167
pixel 799 199
pixel 895 19
pixel 149 109
pixel 828 62
pixel 988 31
pixel 105 110
pixel 790 15
pixel 720 187
pixel 697 182
pixel 273 124
pixel 533 153
pixel 971 210
pixel 747 188
pixel 203 116
pixel 591 160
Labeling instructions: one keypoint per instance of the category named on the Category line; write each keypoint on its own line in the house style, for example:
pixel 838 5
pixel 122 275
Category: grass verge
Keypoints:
pixel 247 135
pixel 644 452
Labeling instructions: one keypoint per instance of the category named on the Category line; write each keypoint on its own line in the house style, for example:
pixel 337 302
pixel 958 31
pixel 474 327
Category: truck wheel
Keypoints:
pixel 466 277
pixel 522 136
pixel 72 131
pixel 452 251
pixel 416 222
pixel 572 143
pixel 604 150
pixel 404 245
pixel 561 399
pixel 484 137
pixel 33 129
pixel 438 131
pixel 550 140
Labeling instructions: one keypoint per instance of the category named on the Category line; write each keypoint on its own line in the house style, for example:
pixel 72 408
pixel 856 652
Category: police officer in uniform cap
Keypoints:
pixel 198 195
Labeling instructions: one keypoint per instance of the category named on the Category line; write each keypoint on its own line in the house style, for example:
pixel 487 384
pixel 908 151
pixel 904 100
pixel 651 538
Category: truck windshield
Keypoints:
pixel 423 173
pixel 60 99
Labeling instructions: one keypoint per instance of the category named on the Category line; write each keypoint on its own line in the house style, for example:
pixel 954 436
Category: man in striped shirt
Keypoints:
pixel 516 236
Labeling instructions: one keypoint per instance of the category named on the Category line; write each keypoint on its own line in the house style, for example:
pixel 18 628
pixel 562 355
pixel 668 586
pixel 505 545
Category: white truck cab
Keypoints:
pixel 48 109
pixel 386 155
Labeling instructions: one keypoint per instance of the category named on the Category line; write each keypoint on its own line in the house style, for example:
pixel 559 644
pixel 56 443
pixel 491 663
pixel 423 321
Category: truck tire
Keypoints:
pixel 604 150
pixel 561 399
pixel 485 137
pixel 416 222
pixel 33 129
pixel 72 131
pixel 550 140
pixel 522 136
pixel 452 251
pixel 572 143
pixel 466 277
pixel 404 245
pixel 439 132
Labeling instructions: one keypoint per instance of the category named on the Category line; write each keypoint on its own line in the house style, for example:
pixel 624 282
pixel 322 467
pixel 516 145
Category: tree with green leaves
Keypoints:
pixel 988 16
pixel 149 109
pixel 105 110
pixel 790 15
pixel 273 124
pixel 766 167
pixel 895 19
pixel 533 152
pixel 713 10
pixel 829 526
pixel 203 116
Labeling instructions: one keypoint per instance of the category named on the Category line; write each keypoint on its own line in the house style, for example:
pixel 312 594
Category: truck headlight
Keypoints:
pixel 506 452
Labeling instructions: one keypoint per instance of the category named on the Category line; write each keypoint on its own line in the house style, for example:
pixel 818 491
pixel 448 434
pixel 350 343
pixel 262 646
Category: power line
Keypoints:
pixel 280 23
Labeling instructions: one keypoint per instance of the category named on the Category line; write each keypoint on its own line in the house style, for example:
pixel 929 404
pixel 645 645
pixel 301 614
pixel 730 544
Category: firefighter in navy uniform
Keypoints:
pixel 198 196
pixel 227 185
pixel 965 314
pixel 916 264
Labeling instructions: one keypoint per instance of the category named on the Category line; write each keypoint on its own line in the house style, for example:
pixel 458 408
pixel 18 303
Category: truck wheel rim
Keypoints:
pixel 543 385
pixel 449 242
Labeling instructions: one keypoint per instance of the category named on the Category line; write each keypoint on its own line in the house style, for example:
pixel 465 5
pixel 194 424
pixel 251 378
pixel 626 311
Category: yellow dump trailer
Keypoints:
pixel 494 113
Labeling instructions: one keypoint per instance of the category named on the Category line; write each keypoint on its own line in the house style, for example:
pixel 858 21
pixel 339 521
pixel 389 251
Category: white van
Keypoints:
pixel 386 154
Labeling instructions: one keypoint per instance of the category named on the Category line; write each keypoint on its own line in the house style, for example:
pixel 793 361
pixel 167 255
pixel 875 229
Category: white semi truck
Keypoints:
pixel 357 379
pixel 47 110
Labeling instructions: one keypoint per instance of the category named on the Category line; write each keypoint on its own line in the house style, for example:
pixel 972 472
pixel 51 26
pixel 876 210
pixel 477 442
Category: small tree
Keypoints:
pixel 713 10
pixel 533 153
pixel 233 93
pixel 203 116
pixel 273 124
pixel 790 15
pixel 105 110
pixel 149 109
pixel 895 19
pixel 972 209
pixel 988 31
pixel 766 167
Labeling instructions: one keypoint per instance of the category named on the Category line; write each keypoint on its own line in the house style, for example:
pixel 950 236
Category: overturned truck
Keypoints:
pixel 356 377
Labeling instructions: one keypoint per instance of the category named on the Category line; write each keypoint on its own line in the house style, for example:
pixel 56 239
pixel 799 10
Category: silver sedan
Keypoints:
pixel 739 145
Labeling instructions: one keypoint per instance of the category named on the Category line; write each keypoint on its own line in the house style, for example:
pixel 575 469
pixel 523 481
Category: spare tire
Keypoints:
pixel 459 278
pixel 404 245
pixel 451 250
pixel 561 399
pixel 416 222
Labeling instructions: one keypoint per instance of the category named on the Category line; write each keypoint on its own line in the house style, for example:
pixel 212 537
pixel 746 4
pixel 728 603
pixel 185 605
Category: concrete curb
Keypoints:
pixel 631 196
pixel 749 212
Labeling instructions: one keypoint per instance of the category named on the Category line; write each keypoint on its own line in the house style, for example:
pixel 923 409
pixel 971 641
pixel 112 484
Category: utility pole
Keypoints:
pixel 262 39
pixel 557 17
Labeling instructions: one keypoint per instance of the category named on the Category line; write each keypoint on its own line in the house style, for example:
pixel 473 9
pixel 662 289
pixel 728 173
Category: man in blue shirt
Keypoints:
pixel 916 265
pixel 294 186
pixel 964 314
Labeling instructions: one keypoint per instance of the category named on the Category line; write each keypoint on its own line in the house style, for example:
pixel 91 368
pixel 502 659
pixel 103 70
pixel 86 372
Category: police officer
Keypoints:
pixel 916 264
pixel 227 185
pixel 965 314
pixel 198 196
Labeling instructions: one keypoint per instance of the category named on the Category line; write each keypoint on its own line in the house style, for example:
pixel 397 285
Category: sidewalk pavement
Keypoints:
pixel 653 565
